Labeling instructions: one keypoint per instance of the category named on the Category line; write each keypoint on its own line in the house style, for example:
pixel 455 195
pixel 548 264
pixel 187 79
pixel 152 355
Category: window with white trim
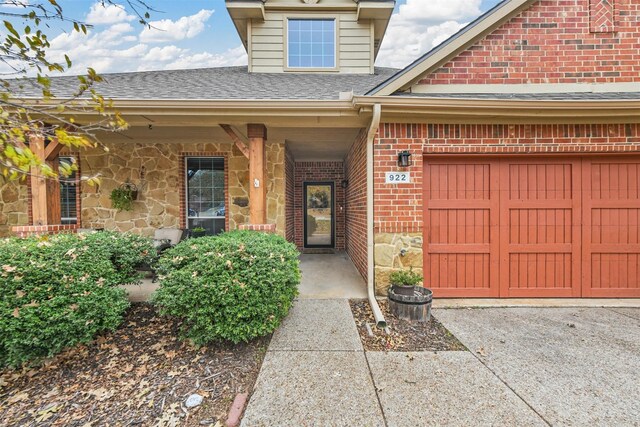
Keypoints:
pixel 69 195
pixel 205 193
pixel 311 43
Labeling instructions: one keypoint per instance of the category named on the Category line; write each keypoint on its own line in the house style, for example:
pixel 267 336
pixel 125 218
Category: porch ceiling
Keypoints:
pixel 306 144
pixel 319 144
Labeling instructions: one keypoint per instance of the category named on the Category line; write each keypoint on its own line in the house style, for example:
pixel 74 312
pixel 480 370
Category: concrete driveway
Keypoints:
pixel 572 366
pixel 523 367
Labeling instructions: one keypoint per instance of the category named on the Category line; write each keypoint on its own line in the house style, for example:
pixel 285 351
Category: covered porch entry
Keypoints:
pixel 326 209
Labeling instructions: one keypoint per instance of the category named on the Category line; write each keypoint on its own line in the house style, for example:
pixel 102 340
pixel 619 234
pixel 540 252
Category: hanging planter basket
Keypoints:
pixel 122 197
pixel 131 188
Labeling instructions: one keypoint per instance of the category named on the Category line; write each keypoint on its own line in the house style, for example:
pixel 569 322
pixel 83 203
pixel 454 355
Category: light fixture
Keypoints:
pixel 404 159
pixel 344 183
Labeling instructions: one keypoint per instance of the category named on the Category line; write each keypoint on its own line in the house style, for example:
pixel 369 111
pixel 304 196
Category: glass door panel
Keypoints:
pixel 319 215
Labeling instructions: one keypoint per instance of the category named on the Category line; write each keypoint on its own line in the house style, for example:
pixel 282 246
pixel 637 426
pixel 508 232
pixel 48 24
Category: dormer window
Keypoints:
pixel 311 43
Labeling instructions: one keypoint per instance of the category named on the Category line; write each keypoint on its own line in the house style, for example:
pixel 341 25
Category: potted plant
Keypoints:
pixel 122 197
pixel 197 232
pixel 403 282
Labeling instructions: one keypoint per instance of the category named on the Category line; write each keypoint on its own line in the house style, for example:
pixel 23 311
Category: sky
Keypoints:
pixel 199 33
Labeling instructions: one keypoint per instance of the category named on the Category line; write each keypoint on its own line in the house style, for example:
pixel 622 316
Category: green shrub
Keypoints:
pixel 58 291
pixel 405 278
pixel 236 286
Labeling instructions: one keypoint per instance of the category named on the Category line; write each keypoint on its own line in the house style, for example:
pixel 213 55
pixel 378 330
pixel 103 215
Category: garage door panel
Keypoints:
pixel 536 227
pixel 539 181
pixel 618 226
pixel 611 214
pixel 459 271
pixel 540 270
pixel 540 249
pixel 532 226
pixel 462 234
pixel 459 181
pixel 463 226
pixel 614 271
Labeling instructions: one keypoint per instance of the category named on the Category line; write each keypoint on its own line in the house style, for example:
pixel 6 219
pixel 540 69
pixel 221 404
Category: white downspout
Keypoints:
pixel 371 292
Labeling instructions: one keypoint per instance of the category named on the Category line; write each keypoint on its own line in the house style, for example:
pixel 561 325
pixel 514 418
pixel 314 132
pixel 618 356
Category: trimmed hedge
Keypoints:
pixel 236 286
pixel 59 291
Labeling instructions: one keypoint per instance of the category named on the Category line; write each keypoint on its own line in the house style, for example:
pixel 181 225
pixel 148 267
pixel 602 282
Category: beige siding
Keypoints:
pixel 267 42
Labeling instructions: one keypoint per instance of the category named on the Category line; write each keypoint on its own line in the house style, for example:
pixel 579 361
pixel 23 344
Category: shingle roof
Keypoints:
pixel 568 96
pixel 221 83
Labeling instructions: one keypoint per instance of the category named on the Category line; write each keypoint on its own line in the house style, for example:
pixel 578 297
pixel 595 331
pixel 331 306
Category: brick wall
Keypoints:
pixel 319 171
pixel 289 190
pixel 398 209
pixel 40 230
pixel 356 203
pixel 553 42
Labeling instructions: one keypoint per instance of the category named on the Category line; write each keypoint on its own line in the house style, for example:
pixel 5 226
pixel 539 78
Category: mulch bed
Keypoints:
pixel 139 375
pixel 403 335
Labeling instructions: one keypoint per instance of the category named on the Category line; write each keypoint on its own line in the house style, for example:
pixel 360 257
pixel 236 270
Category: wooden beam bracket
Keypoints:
pixel 52 150
pixel 242 146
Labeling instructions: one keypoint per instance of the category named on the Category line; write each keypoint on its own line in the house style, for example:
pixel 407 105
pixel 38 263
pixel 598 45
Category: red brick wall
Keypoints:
pixel 289 195
pixel 319 171
pixel 398 208
pixel 41 230
pixel 574 138
pixel 551 42
pixel 356 203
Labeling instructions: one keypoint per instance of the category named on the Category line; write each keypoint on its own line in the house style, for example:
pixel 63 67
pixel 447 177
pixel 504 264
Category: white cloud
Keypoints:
pixel 163 54
pixel 102 50
pixel 10 4
pixel 232 57
pixel 438 11
pixel 167 30
pixel 174 58
pixel 420 25
pixel 107 14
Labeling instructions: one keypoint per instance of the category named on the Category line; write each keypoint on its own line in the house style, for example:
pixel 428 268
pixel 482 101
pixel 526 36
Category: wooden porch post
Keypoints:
pixel 257 134
pixel 45 193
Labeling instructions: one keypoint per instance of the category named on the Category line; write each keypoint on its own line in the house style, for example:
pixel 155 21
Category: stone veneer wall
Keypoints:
pixel 14 205
pixel 158 203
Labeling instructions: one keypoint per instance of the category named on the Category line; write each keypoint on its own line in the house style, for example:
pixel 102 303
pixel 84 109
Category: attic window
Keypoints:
pixel 311 43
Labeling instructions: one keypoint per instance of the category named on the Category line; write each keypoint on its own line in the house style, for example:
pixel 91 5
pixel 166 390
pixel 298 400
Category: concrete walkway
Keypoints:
pixel 523 367
pixel 315 373
pixel 326 276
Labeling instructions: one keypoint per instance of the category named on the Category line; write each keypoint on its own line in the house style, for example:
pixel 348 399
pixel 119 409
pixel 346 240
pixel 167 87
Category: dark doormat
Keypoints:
pixel 318 251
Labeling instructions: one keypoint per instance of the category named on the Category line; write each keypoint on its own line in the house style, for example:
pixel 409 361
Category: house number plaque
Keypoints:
pixel 397 178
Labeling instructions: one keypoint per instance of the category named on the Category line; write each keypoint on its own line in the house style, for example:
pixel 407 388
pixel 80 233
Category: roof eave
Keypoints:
pixel 543 111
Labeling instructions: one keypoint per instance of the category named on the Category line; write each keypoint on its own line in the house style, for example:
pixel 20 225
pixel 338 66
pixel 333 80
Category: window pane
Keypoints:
pixel 205 193
pixel 311 43
pixel 68 195
pixel 211 225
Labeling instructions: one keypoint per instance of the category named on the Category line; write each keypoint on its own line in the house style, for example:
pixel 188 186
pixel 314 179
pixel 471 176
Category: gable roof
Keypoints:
pixel 453 46
pixel 225 83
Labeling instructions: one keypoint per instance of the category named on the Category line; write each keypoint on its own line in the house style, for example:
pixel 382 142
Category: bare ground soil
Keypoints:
pixel 403 335
pixel 139 375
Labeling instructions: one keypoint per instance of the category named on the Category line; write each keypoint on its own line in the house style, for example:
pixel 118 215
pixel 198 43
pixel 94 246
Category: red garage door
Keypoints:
pixel 532 227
